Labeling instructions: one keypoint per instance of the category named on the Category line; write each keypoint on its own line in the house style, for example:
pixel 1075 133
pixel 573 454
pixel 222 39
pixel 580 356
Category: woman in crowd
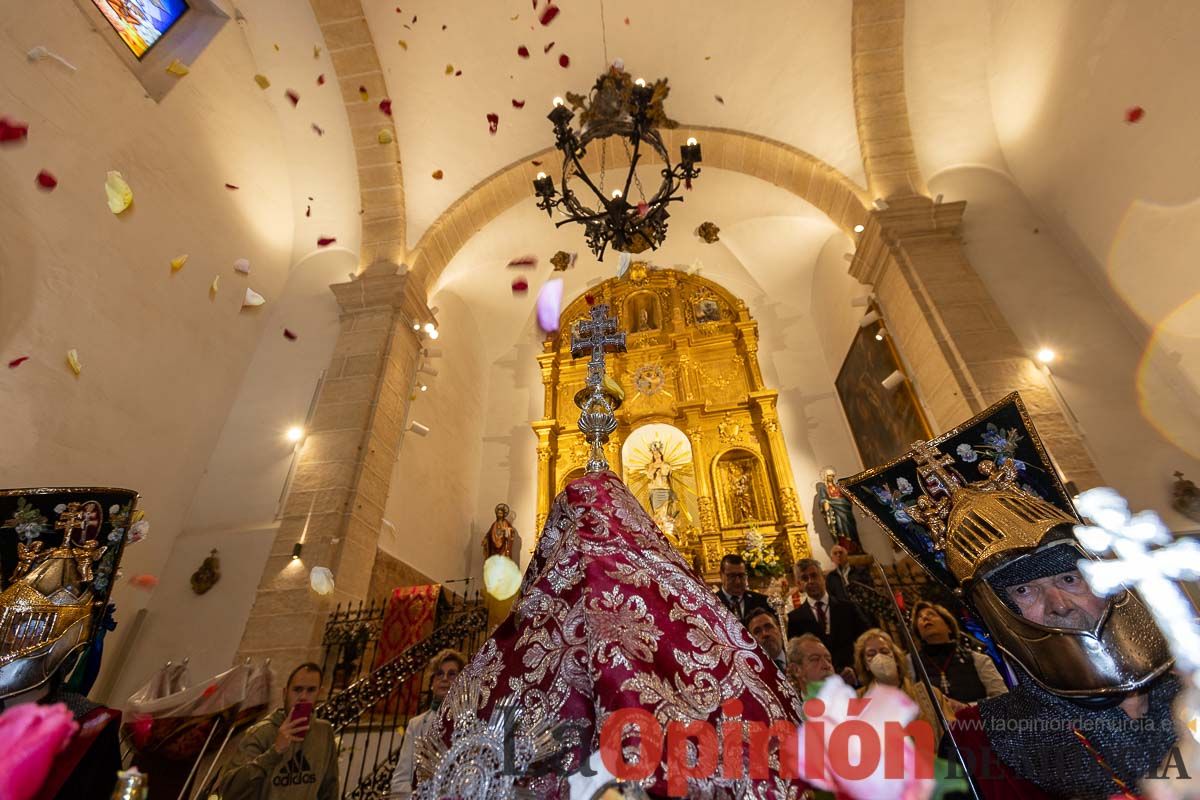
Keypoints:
pixel 958 671
pixel 878 660
pixel 444 668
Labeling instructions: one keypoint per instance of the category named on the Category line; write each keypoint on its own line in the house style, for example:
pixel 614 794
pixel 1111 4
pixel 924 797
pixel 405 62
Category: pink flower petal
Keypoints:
pixel 18 361
pixel 548 14
pixel 325 241
pixel 520 286
pixel 46 180
pixel 31 736
pixel 13 131
pixel 564 61
pixel 493 123
pixel 518 103
pixel 144 582
pixel 522 51
pixel 549 305
pixel 385 105
pixel 321 79
pixel 289 335
pixel 1134 114
pixel 292 96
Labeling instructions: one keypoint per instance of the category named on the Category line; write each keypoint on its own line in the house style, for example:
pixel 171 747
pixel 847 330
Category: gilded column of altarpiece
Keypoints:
pixel 698 438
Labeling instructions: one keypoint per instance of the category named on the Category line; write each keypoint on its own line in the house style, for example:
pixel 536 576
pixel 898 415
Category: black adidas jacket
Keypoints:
pixel 308 771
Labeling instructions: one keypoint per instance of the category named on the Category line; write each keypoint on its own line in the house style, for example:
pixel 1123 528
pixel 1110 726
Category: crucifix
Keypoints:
pixel 599 398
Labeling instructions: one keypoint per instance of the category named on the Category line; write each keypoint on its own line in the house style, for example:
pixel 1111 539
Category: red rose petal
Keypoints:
pixel 493 123
pixel 564 61
pixel 291 95
pixel 13 131
pixel 536 163
pixel 1135 114
pixel 325 241
pixel 457 72
pixel 523 51
pixel 231 187
pixel 643 208
pixel 520 286
pixel 546 49
pixel 18 361
pixel 385 105
pixel 46 180
pixel 438 174
pixel 548 14
pixel 524 262
pixel 321 79
pixel 287 334
pixel 518 103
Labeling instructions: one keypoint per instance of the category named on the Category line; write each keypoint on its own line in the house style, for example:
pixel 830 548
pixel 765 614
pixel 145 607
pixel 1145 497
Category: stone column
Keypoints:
pixel 958 349
pixel 335 502
pixel 781 465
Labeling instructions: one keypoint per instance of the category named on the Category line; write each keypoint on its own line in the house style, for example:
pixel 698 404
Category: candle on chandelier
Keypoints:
pixel 558 101
pixel 543 185
pixel 690 152
pixel 616 194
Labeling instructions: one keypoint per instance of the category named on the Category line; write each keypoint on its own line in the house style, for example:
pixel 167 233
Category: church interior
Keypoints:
pixel 290 272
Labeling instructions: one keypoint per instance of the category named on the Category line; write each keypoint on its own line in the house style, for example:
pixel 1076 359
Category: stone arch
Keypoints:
pixel 806 176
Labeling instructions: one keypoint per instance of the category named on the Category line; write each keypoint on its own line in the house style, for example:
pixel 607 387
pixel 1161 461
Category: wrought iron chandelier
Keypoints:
pixel 631 111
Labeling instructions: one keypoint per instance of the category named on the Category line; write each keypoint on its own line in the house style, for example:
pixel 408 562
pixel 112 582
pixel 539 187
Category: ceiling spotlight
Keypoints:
pixel 1046 355
pixel 893 380
pixel 859 228
pixel 869 319
pixel 430 327
pixel 296 551
pixel 433 334
pixel 424 388
pixel 881 204
pixel 418 428
pixel 880 334
pixel 416 326
pixel 295 433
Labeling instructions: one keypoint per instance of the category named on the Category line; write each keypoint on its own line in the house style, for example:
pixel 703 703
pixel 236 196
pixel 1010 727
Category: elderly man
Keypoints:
pixel 734 593
pixel 1090 715
pixel 837 580
pixel 808 662
pixel 764 627
pixel 835 622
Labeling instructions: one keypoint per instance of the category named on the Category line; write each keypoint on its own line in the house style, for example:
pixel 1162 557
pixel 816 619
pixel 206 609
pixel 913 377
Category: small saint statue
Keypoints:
pixel 743 495
pixel 838 513
pixel 498 541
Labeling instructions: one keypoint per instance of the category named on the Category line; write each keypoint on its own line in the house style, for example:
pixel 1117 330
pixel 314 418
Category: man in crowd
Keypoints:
pixel 764 627
pixel 809 662
pixel 835 622
pixel 444 668
pixel 287 756
pixel 1090 716
pixel 838 579
pixel 734 593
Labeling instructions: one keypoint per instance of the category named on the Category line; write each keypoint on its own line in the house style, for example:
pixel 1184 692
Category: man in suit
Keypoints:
pixel 835 622
pixel 837 580
pixel 733 593
pixel 764 627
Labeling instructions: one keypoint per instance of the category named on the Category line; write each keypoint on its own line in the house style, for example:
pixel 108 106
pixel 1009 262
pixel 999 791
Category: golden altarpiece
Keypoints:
pixel 698 438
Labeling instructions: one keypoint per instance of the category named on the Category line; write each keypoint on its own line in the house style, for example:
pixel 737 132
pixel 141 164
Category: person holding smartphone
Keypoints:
pixel 290 755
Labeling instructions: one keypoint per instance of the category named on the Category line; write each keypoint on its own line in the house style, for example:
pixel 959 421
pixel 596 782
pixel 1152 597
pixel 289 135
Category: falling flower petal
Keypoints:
pixel 437 175
pixel 144 582
pixel 449 69
pixel 548 14
pixel 31 738
pixel 262 81
pixel 719 99
pixel 524 262
pixel 120 196
pixel 362 94
pixel 321 580
pixel 46 180
pixel 177 262
pixel 1135 114
pixel 291 95
pixel 318 129
pixel 523 51
pixel 325 241
pixel 73 361
pixel 276 46
pixel 18 361
pixel 289 335
pixel 536 163
pixel 563 260
pixel 518 103
pixel 385 105
pixel 321 79
pixel 308 210
pixel 177 67
pixel 520 286
pixel 627 20
pixel 546 49
pixel 402 43
pixel 214 286
pixel 457 72
pixel 252 299
pixel 242 265
pixel 564 61
pixel 385 136
pixel 13 131
pixel 231 187
pixel 493 123
pixel 414 19
pixel 549 305
pixel 514 18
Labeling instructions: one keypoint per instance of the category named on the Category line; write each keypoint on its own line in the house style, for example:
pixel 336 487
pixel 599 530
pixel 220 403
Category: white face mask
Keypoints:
pixel 883 667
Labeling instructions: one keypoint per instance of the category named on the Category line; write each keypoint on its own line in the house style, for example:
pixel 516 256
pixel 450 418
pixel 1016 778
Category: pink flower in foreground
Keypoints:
pixel 854 767
pixel 30 737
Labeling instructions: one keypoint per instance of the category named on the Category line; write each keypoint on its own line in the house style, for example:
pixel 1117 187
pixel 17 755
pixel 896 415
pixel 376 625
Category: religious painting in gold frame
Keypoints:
pixel 883 423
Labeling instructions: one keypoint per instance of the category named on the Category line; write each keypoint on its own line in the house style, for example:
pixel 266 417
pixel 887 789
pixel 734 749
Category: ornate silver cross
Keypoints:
pixel 597 404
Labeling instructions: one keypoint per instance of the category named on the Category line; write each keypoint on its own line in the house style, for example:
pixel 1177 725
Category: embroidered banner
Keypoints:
pixel 410 617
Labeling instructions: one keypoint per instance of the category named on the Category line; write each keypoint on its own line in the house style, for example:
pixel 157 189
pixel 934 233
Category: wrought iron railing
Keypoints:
pixel 369 702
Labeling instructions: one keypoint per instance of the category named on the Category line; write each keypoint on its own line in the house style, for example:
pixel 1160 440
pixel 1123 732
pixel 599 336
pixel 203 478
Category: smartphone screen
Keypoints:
pixel 302 710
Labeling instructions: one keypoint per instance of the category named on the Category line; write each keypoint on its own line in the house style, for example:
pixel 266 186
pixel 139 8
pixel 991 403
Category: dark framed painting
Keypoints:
pixel 883 422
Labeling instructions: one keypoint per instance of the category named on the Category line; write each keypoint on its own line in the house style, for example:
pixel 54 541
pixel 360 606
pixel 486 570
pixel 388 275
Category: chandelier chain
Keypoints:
pixel 604 34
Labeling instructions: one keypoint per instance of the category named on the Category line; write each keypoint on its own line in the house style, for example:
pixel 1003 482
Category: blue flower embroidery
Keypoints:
pixel 966 453
pixel 895 499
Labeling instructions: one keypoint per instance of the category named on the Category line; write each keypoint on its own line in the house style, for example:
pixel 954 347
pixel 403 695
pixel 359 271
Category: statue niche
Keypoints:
pixel 698 438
